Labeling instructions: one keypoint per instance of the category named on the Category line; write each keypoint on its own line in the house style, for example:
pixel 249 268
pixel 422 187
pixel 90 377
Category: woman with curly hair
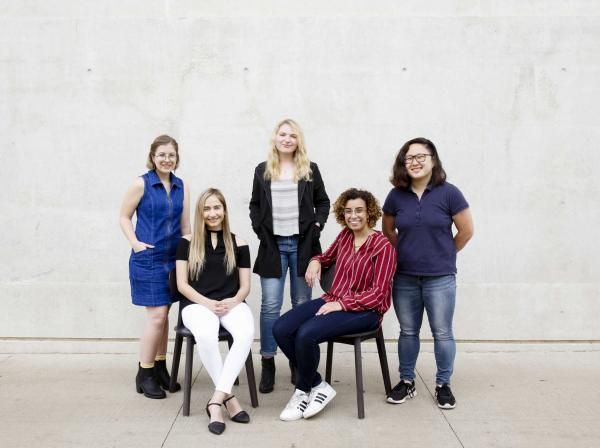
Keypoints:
pixel 356 302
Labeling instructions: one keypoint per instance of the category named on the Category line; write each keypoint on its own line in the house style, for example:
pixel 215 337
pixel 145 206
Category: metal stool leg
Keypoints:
pixel 360 401
pixel 187 381
pixel 176 360
pixel 251 380
pixel 385 371
pixel 329 361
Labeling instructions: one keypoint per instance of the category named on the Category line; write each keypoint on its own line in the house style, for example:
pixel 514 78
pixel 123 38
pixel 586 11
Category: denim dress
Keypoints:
pixel 159 224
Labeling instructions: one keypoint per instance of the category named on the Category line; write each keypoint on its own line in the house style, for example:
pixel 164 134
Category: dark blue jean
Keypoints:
pixel 412 295
pixel 299 333
pixel 272 292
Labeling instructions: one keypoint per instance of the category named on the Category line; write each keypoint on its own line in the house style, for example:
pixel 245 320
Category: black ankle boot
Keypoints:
pixel 267 376
pixel 162 375
pixel 146 383
pixel 293 376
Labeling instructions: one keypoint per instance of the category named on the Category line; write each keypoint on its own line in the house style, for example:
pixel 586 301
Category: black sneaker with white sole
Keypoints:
pixel 445 398
pixel 401 392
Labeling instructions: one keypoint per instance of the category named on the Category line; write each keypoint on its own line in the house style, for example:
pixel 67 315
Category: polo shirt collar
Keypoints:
pixel 429 187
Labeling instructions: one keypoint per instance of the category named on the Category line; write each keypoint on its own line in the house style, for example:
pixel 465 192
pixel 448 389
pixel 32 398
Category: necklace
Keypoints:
pixel 358 245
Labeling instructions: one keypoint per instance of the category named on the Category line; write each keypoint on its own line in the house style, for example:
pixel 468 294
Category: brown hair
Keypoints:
pixel 400 177
pixel 373 208
pixel 159 141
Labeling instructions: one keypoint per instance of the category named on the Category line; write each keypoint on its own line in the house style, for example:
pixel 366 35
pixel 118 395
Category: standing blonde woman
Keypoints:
pixel 288 209
pixel 213 274
pixel 160 201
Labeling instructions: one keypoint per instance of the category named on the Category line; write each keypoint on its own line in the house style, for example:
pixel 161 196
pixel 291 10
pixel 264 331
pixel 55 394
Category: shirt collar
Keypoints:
pixel 429 187
pixel 155 180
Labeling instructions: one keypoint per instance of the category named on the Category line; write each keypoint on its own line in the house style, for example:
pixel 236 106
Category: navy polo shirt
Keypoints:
pixel 425 244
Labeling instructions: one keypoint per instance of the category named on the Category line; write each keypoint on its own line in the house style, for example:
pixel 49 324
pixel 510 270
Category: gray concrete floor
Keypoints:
pixel 509 395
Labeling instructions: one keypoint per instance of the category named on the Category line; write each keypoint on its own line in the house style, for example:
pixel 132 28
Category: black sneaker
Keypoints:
pixel 401 392
pixel 444 397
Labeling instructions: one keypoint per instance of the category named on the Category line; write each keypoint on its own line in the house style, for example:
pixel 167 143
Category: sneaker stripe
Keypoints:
pixel 320 397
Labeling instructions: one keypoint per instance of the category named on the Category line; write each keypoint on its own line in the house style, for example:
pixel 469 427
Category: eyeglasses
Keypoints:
pixel 163 156
pixel 355 211
pixel 418 157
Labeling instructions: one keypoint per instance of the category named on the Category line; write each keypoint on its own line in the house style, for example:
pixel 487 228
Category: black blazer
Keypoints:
pixel 313 207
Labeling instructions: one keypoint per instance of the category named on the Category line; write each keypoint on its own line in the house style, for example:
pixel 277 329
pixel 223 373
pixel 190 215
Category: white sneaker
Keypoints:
pixel 295 407
pixel 319 397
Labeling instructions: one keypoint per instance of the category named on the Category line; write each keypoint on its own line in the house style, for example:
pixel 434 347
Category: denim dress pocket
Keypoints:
pixel 140 265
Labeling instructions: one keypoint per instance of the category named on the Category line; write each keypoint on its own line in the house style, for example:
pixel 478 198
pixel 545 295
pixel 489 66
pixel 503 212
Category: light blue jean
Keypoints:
pixel 272 293
pixel 437 295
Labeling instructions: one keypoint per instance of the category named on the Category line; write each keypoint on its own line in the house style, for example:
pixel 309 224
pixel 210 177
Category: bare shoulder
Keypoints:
pixel 188 237
pixel 138 184
pixel 134 193
pixel 240 242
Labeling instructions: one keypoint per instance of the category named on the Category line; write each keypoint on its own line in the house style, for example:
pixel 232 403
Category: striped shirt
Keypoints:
pixel 362 279
pixel 284 194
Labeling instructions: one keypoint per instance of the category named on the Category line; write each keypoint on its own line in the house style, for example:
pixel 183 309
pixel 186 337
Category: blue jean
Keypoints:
pixel 437 295
pixel 272 293
pixel 299 333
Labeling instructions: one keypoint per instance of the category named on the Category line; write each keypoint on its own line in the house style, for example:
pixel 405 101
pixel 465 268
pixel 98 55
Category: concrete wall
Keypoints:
pixel 508 90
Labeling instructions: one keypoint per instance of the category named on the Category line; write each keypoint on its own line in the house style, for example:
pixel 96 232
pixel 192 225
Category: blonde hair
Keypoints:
pixel 302 169
pixel 197 254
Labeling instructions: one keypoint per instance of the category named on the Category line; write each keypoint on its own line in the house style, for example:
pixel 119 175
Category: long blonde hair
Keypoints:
pixel 302 169
pixel 197 255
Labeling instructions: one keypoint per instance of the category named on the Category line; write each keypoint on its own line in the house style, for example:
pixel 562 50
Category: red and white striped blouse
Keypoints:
pixel 362 279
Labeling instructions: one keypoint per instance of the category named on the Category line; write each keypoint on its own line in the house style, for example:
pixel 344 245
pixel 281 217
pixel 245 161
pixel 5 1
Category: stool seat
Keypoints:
pixel 349 338
pixel 184 331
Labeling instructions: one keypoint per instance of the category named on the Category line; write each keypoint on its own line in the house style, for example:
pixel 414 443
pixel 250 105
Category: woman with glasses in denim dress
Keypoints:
pixel 160 201
pixel 418 216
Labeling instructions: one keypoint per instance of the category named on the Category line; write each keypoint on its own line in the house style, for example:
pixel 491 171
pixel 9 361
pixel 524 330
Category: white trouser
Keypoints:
pixel 204 325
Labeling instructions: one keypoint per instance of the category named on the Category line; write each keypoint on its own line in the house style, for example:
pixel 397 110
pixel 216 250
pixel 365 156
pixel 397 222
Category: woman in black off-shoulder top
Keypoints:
pixel 213 274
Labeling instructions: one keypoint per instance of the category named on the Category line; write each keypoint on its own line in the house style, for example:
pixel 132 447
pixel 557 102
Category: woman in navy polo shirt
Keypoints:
pixel 418 216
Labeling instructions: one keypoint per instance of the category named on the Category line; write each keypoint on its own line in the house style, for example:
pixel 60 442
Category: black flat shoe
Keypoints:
pixel 215 427
pixel 240 417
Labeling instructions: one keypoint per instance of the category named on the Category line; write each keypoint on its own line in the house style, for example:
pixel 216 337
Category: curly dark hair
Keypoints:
pixel 373 209
pixel 400 177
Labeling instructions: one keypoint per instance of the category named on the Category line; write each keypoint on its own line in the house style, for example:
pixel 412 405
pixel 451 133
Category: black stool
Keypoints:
pixel 356 340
